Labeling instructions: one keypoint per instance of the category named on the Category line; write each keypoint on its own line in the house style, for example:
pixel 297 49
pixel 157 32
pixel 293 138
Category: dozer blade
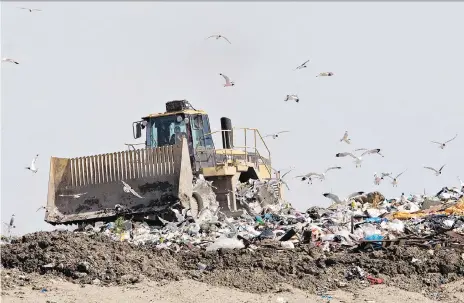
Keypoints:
pixel 161 176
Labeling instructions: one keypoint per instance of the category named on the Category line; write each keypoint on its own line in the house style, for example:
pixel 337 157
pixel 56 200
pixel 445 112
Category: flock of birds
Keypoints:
pixel 358 159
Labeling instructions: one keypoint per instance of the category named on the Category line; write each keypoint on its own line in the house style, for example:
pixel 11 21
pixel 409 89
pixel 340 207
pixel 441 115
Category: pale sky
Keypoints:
pixel 88 70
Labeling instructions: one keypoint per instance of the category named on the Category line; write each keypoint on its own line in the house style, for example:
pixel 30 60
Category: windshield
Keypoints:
pixel 166 131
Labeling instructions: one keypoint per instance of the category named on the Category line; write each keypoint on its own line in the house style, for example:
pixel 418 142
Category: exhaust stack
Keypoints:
pixel 227 133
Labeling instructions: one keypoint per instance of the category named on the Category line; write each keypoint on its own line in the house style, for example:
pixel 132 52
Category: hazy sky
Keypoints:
pixel 88 70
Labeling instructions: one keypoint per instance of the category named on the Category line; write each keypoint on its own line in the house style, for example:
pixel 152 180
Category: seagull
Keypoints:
pixel 345 138
pixel 75 196
pixel 437 172
pixel 129 189
pixel 292 98
pixel 218 37
pixel 31 9
pixel 317 175
pixel 42 207
pixel 32 168
pixel 132 145
pixel 302 65
pixel 10 60
pixel 228 82
pixel 276 135
pixel 442 145
pixel 377 179
pixel 325 74
pixel 281 178
pixel 308 177
pixel 12 221
pixel 358 159
pixel 337 200
pixel 395 180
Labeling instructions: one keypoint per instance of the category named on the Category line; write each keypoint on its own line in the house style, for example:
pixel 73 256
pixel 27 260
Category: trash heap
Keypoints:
pixel 367 222
pixel 368 240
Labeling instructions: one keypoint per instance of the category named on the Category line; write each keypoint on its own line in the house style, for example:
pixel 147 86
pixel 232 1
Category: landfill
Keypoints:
pixel 413 242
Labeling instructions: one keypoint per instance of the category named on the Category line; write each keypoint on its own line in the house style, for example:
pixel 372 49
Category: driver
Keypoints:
pixel 177 136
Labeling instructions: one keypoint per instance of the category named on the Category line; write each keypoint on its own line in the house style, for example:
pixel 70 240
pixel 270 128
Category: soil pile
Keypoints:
pixel 95 258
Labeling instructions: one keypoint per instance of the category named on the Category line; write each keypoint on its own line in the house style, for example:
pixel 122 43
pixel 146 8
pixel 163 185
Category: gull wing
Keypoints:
pixel 345 154
pixel 431 168
pixel 451 139
pixel 333 197
pixel 226 39
pixel 135 193
pixel 34 160
pixel 460 181
pixel 284 131
pixel 282 181
pixel 358 193
pixel 399 175
pixel 125 184
pixel 226 78
pixel 333 167
pixel 372 151
pixel 268 136
pixel 345 136
pixel 442 167
pixel 211 37
pixel 285 174
pixel 435 142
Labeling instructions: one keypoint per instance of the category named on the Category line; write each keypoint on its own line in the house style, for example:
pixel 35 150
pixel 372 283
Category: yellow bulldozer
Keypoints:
pixel 179 148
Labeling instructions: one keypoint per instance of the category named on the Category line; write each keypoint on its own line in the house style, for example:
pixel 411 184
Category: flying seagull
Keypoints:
pixel 302 65
pixel 276 135
pixel 395 180
pixel 131 146
pixel 437 172
pixel 31 9
pixel 345 138
pixel 281 178
pixel 292 98
pixel 75 196
pixel 325 74
pixel 337 200
pixel 129 189
pixel 10 60
pixel 317 175
pixel 442 145
pixel 228 82
pixel 42 207
pixel 218 37
pixel 32 168
pixel 358 159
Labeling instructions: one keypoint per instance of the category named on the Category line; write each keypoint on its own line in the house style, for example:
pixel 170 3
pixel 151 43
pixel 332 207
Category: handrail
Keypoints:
pixel 246 147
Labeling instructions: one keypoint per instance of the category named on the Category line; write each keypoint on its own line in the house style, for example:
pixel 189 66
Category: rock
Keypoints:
pixel 83 266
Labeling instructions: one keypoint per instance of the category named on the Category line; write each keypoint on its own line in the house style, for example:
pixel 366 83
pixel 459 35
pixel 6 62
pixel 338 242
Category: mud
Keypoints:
pixel 96 259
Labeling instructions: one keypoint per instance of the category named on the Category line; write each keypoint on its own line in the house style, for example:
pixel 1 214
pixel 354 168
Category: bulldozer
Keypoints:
pixel 142 183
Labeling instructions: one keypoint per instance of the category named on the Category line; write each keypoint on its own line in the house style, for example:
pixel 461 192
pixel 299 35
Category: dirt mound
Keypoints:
pixel 85 258
pixel 88 258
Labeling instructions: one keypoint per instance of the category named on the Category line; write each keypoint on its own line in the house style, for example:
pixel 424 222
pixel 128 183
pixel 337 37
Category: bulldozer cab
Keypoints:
pixel 179 121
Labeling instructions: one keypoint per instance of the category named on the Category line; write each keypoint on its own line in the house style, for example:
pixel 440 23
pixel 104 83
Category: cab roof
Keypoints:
pixel 186 111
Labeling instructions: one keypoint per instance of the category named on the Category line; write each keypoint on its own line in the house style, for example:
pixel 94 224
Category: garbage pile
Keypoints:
pixel 367 240
pixel 367 222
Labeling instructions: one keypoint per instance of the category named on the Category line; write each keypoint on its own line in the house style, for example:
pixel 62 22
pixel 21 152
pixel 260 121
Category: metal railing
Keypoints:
pixel 251 152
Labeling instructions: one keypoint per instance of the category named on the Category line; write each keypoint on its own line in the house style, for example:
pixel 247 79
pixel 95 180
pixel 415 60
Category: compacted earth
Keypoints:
pixel 62 266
